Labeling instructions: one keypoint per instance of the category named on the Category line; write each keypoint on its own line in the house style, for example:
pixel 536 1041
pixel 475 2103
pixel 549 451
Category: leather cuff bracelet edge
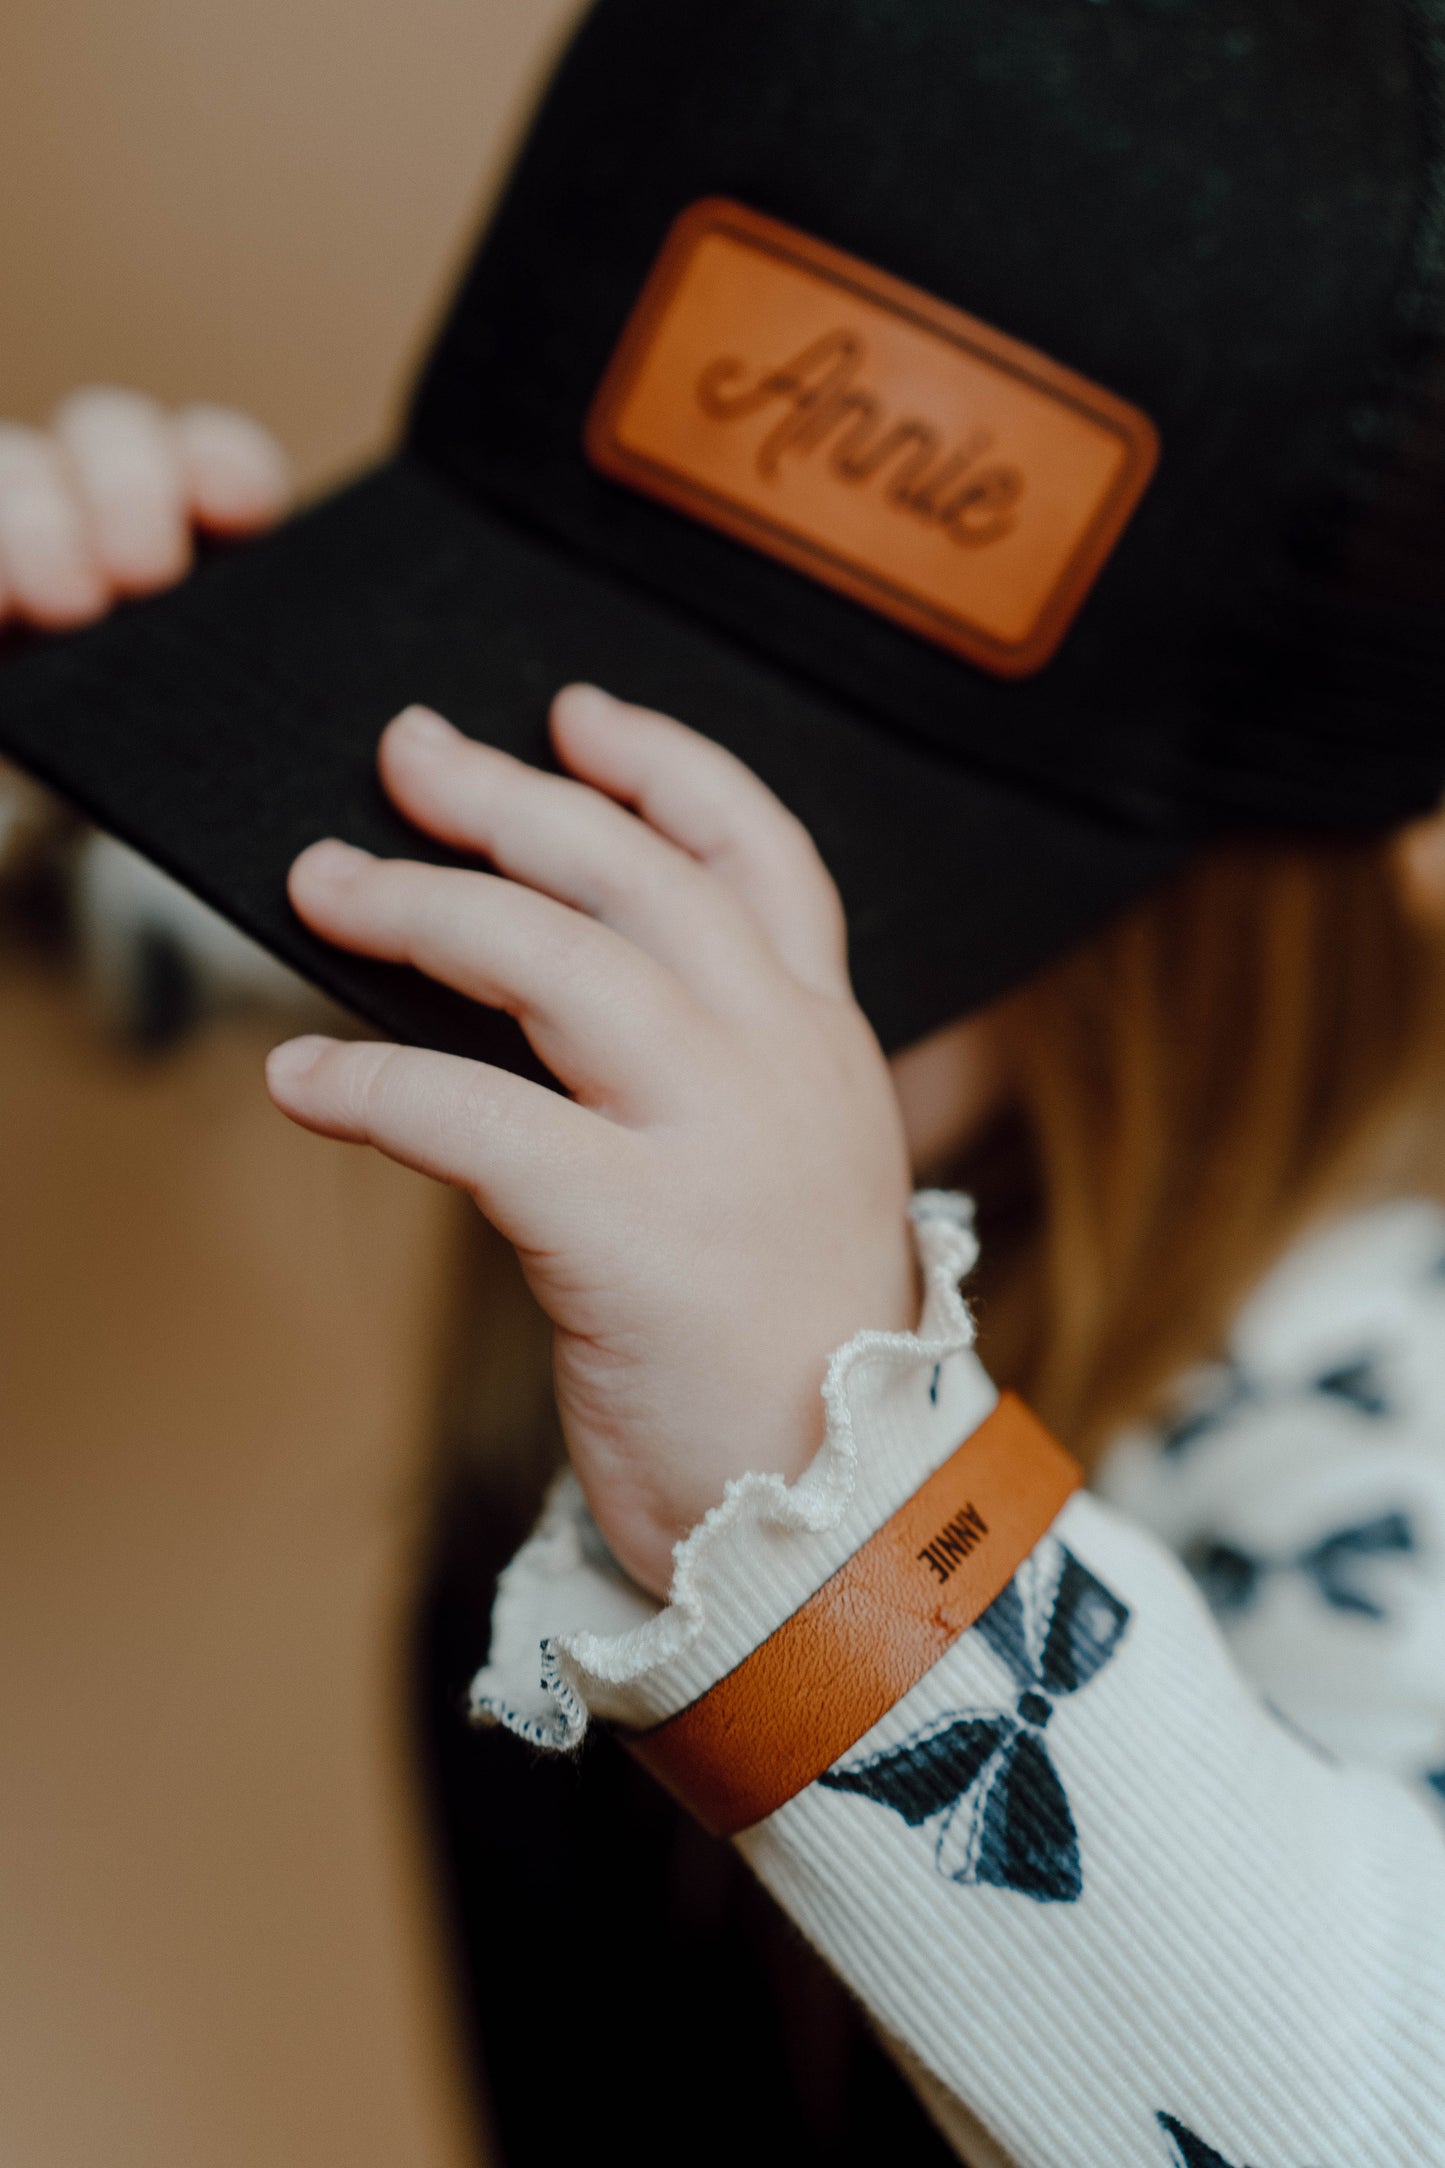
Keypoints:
pixel 803 1697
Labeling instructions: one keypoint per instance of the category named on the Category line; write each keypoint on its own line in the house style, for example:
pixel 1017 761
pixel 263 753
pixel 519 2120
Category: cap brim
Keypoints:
pixel 222 727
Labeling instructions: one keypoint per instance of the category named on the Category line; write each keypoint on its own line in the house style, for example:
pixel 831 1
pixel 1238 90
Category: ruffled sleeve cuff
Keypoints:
pixel 573 1637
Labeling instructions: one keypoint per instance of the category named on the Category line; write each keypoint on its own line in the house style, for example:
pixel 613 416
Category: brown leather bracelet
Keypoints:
pixel 810 1691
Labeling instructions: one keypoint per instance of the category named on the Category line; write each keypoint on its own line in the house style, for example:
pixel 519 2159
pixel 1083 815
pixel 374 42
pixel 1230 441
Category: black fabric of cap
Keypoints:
pixel 1227 211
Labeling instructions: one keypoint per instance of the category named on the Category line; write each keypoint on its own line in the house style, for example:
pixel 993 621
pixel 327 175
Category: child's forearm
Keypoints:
pixel 1095 1892
pixel 1084 1879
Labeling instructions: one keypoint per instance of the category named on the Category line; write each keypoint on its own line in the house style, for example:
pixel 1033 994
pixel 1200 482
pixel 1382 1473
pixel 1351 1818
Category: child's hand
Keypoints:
pixel 104 502
pixel 722 1200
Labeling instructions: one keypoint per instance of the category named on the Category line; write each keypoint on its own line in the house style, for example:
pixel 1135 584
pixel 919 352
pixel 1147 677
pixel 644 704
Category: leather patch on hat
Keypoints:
pixel 877 439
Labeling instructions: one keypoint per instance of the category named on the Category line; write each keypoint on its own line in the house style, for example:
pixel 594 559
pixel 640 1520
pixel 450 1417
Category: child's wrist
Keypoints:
pixel 773 1428
pixel 894 1405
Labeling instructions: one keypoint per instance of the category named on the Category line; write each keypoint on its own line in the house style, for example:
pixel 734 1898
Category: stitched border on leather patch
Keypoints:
pixel 783 1715
pixel 882 441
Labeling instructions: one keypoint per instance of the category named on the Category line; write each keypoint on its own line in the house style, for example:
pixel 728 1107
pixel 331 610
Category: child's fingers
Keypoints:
pixel 705 799
pixel 575 844
pixel 102 504
pixel 47 564
pixel 606 1019
pixel 522 1151
pixel 124 460
pixel 235 476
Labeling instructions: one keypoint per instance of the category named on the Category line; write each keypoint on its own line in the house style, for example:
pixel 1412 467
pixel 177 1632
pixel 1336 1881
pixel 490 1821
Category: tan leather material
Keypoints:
pixel 862 1640
pixel 880 440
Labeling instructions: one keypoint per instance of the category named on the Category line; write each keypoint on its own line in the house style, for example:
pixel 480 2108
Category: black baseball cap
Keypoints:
pixel 1146 292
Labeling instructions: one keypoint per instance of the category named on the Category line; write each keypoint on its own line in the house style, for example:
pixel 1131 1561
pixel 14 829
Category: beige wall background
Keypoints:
pixel 249 200
pixel 219 1340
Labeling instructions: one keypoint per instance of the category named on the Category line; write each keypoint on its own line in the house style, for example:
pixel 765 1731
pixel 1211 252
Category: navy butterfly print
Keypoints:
pixel 1357 1384
pixel 1234 1392
pixel 984 1779
pixel 1233 1578
pixel 1189 2150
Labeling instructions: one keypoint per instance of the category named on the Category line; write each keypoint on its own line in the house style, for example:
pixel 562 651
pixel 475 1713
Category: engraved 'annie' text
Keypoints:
pixel 822 403
pixel 954 1541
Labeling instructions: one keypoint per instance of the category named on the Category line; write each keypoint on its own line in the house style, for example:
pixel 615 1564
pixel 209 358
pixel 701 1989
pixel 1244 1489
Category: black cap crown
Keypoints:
pixel 1228 213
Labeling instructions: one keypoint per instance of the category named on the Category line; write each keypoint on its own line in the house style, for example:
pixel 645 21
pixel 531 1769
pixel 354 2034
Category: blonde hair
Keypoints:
pixel 1259 1044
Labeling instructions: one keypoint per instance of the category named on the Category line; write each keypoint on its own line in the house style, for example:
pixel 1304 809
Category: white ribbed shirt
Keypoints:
pixel 1150 1867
